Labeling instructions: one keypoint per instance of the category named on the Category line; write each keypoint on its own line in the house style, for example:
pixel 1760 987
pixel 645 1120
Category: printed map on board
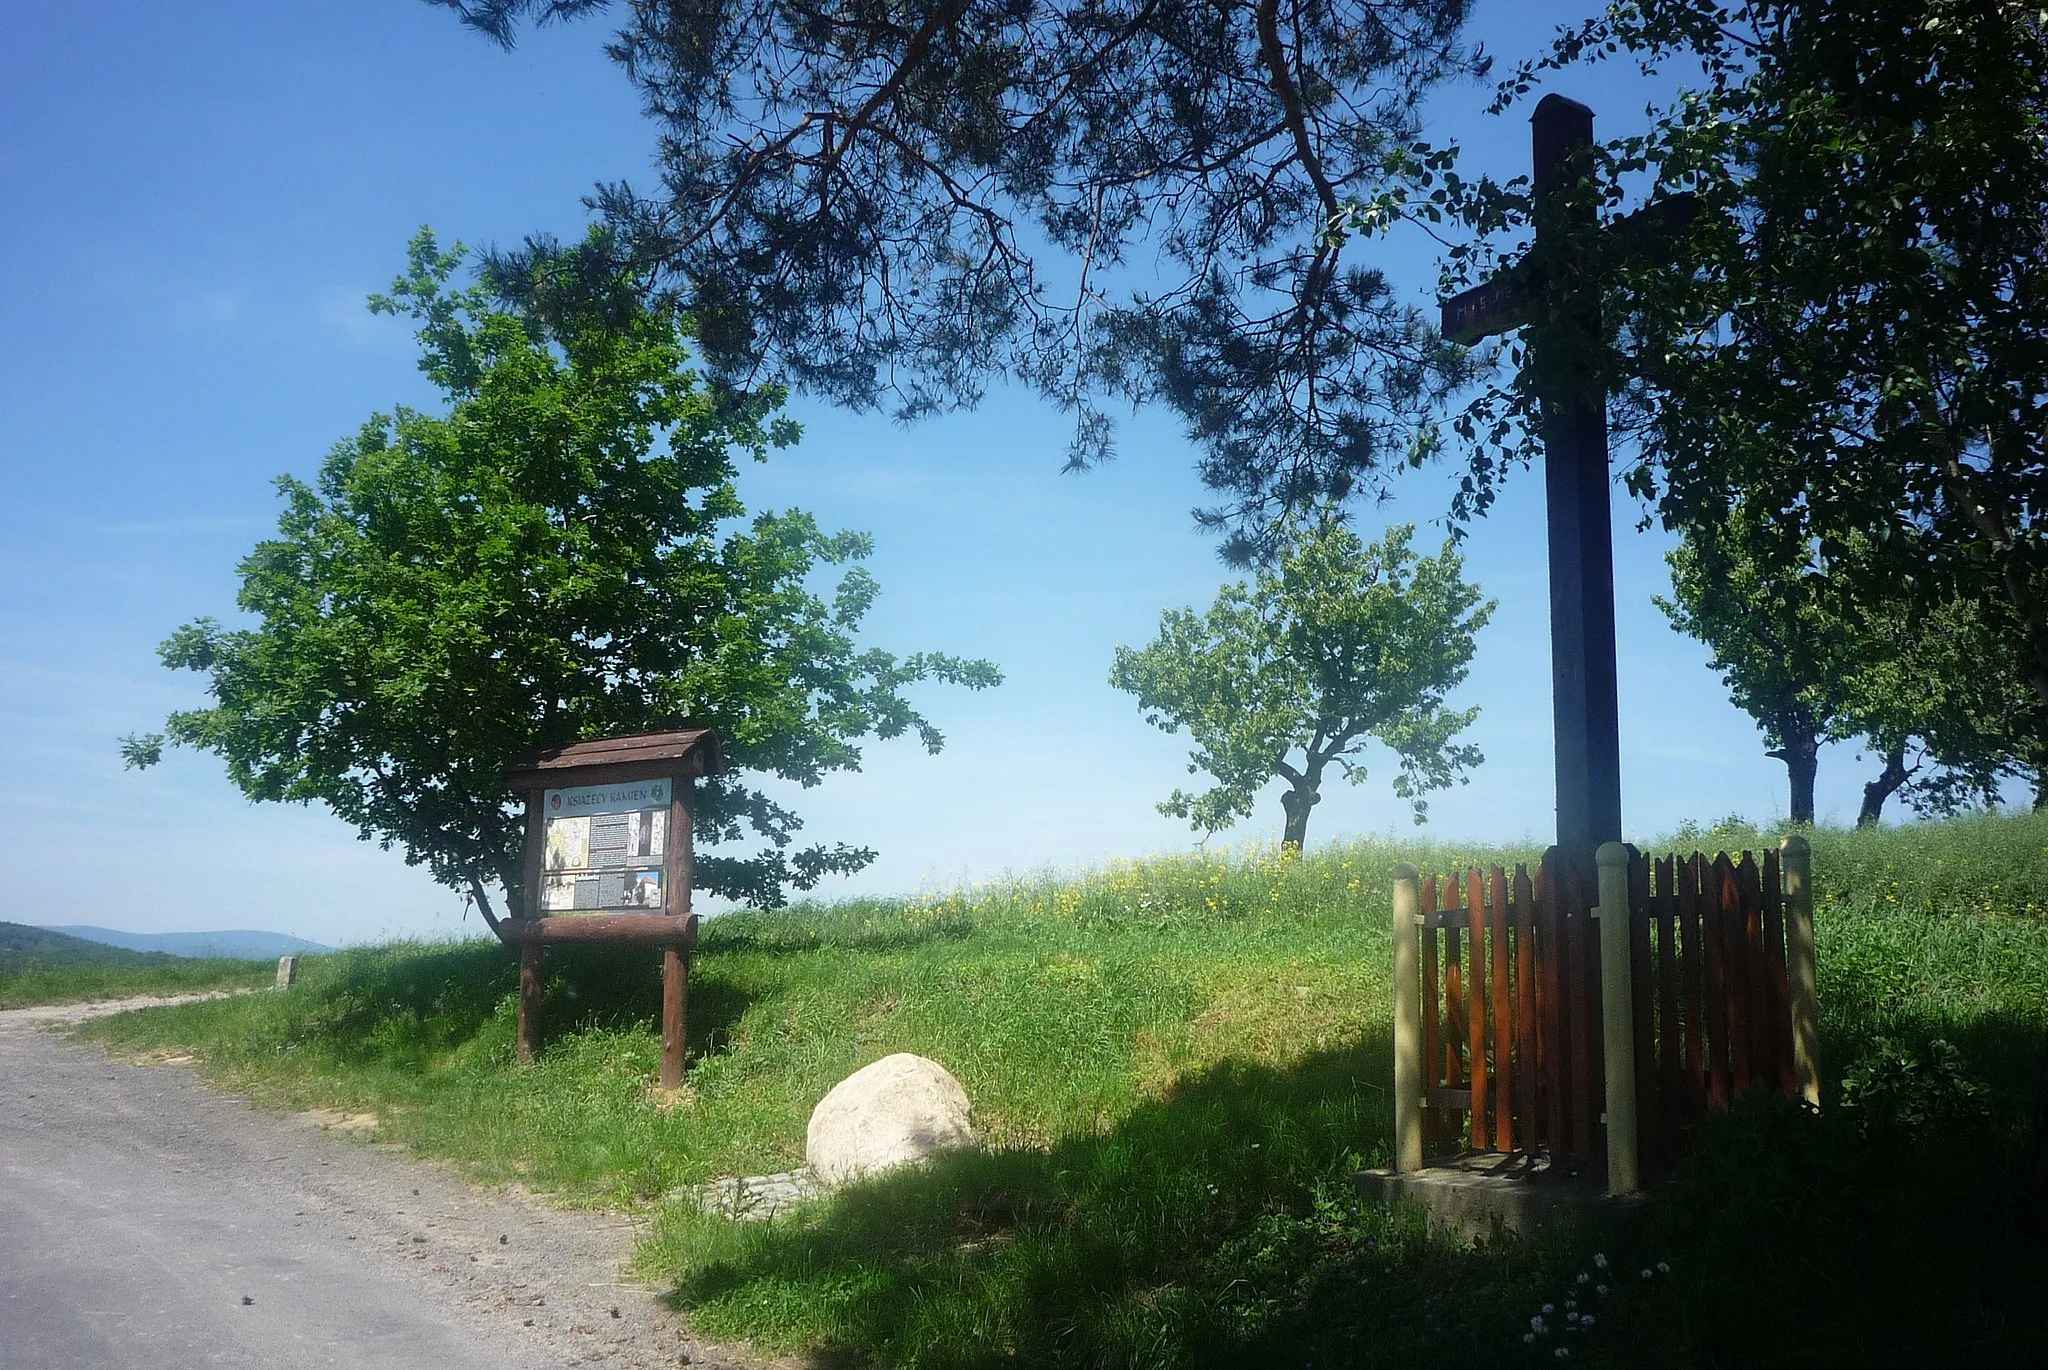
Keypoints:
pixel 605 848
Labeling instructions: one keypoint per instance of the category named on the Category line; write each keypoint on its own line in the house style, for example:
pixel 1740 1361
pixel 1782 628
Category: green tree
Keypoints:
pixel 1935 700
pixel 1812 667
pixel 887 203
pixel 1779 652
pixel 1853 335
pixel 1338 645
pixel 561 555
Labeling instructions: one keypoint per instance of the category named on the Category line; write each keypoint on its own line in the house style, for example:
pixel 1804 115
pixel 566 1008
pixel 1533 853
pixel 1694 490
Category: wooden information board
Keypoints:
pixel 603 847
pixel 607 859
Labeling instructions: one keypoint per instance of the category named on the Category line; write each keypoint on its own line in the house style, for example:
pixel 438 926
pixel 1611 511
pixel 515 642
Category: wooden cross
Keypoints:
pixel 1546 293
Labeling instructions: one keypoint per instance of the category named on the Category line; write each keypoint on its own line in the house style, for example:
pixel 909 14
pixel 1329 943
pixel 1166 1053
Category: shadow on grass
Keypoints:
pixel 618 989
pixel 1197 1230
pixel 1216 1226
pixel 1884 1232
pixel 2002 1049
pixel 405 1003
pixel 410 1005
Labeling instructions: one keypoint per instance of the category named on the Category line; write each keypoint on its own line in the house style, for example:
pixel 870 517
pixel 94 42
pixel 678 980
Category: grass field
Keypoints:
pixel 1177 1065
pixel 38 966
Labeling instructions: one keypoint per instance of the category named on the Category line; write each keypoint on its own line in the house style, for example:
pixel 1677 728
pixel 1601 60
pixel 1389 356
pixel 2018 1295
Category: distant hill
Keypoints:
pixel 237 943
pixel 22 946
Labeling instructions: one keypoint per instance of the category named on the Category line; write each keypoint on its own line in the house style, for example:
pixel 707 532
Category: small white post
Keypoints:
pixel 1407 1020
pixel 1617 1018
pixel 287 971
pixel 1795 859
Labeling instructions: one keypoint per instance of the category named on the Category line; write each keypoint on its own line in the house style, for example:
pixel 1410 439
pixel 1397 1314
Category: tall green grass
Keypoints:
pixel 28 983
pixel 1177 1064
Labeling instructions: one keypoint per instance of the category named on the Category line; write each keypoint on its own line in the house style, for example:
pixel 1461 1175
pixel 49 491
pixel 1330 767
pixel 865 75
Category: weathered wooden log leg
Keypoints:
pixel 529 999
pixel 675 1003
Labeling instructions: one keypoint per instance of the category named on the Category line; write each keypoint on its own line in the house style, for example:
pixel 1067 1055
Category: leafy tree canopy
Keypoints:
pixel 1780 652
pixel 561 555
pixel 888 202
pixel 1850 340
pixel 1811 664
pixel 1339 645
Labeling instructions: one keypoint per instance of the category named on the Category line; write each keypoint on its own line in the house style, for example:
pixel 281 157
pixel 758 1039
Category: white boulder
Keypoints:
pixel 901 1109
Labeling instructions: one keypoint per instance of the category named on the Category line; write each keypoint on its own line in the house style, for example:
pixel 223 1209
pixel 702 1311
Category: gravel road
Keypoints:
pixel 147 1221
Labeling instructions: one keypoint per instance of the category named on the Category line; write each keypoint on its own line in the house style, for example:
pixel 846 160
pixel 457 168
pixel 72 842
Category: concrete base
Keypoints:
pixel 1476 1193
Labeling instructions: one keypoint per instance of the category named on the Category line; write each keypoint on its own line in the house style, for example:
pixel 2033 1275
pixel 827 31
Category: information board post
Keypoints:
pixel 675 1011
pixel 608 859
pixel 675 961
pixel 529 1000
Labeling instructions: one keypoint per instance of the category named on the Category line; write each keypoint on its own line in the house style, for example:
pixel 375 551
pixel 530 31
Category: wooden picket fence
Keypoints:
pixel 1713 1013
pixel 1511 1013
pixel 1512 1045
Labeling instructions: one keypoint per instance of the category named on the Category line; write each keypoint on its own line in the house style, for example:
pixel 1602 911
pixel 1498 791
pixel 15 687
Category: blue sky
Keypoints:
pixel 194 201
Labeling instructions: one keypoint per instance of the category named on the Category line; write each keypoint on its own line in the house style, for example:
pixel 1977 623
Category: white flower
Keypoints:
pixel 1537 1325
pixel 1599 1261
pixel 1647 1272
pixel 1548 1309
pixel 1583 1278
pixel 1663 1268
pixel 1586 1321
pixel 1599 1289
pixel 1528 1339
pixel 1562 1352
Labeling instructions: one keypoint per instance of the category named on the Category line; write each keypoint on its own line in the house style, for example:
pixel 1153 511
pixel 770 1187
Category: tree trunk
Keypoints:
pixel 1301 796
pixel 483 906
pixel 1801 755
pixel 1894 774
